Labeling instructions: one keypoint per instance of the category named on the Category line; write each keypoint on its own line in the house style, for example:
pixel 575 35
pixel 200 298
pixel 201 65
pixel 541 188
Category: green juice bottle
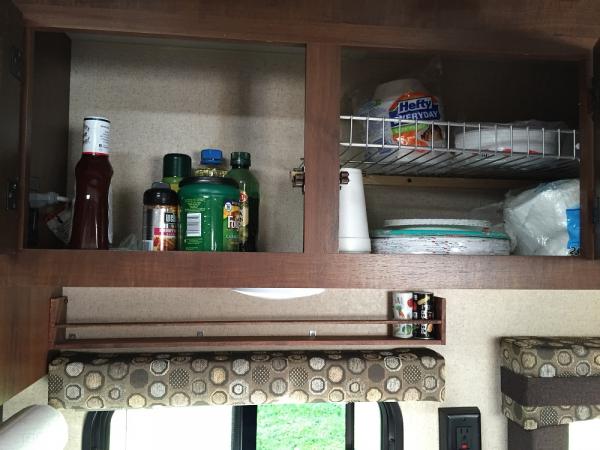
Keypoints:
pixel 249 199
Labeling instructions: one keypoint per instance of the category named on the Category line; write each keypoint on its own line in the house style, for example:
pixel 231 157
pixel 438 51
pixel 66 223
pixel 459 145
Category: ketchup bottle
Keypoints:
pixel 92 174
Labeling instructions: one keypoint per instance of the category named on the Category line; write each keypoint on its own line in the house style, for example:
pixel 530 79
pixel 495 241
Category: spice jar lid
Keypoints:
pixel 160 194
pixel 177 165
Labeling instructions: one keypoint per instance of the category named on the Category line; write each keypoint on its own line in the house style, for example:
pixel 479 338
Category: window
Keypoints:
pixel 323 426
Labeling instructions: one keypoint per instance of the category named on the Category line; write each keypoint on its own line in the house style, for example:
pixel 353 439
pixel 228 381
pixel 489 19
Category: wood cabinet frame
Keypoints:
pixel 320 264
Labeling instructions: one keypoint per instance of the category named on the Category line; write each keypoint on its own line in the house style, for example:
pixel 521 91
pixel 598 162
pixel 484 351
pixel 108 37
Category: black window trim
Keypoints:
pixel 96 428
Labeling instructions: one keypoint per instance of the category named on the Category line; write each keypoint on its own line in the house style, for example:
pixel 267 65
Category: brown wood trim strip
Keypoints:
pixel 242 322
pixel 530 391
pixel 589 159
pixel 446 183
pixel 546 438
pixel 241 341
pixel 194 269
pixel 186 21
pixel 57 315
pixel 25 135
pixel 321 156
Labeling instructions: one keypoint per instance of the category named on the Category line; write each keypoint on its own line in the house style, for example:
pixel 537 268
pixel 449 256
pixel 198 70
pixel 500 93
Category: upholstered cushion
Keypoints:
pixel 534 417
pixel 551 356
pixel 111 381
pixel 543 379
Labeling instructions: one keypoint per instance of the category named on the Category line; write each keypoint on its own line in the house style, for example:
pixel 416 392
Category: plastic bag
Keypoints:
pixel 544 220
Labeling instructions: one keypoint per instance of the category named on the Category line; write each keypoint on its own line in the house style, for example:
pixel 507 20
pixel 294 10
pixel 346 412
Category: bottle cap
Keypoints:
pixel 177 165
pixel 212 156
pixel 160 194
pixel 241 159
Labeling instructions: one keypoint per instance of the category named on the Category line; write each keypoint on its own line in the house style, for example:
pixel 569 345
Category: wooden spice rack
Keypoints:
pixel 59 339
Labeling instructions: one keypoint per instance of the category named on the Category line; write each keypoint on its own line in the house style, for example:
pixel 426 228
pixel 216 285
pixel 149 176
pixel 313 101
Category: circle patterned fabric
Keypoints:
pixel 550 357
pixel 112 381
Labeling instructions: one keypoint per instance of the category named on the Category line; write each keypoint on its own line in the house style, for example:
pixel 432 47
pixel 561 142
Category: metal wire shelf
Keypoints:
pixel 457 149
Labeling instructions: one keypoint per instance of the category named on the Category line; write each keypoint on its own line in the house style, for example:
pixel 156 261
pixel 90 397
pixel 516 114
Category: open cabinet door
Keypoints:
pixel 11 51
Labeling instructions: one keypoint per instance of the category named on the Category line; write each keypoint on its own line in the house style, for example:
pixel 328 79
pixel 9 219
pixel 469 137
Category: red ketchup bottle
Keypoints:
pixel 92 174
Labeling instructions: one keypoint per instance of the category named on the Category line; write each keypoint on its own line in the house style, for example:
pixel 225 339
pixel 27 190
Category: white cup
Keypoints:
pixel 354 229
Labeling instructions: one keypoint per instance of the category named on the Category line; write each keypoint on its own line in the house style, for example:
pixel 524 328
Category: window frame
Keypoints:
pixel 96 428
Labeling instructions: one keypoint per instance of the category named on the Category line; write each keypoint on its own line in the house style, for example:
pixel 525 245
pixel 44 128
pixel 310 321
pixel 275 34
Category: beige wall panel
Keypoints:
pixel 172 98
pixel 475 320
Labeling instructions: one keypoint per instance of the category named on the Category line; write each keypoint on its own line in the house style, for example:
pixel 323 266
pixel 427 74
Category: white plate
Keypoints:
pixel 437 223
pixel 498 140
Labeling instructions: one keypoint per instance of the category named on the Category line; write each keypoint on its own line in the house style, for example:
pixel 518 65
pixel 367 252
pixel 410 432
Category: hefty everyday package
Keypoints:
pixel 405 100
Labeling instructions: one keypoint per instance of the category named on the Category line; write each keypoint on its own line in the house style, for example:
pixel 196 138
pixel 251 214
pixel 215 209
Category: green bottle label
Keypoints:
pixel 231 226
pixel 245 212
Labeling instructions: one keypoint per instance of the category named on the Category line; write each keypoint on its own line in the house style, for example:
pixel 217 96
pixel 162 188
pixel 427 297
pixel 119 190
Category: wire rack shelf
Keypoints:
pixel 458 149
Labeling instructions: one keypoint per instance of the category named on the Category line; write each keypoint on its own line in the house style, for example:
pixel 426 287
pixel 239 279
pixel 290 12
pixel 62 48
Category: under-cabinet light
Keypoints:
pixel 279 293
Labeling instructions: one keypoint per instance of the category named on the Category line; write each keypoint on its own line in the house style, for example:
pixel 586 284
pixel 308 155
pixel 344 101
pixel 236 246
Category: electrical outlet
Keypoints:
pixel 460 428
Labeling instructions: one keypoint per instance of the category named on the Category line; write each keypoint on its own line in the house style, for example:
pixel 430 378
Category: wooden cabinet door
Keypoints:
pixel 11 68
pixel 594 185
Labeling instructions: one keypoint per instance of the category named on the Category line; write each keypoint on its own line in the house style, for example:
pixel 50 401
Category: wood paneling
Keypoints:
pixel 537 28
pixel 11 40
pixel 23 337
pixel 191 269
pixel 242 342
pixel 321 159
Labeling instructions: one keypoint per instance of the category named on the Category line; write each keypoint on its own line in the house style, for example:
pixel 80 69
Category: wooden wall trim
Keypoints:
pixel 321 156
pixel 437 29
pixel 192 269
pixel 573 18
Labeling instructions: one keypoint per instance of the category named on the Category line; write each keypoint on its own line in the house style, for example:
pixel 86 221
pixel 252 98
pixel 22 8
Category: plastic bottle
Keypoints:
pixel 93 173
pixel 176 167
pixel 211 164
pixel 249 199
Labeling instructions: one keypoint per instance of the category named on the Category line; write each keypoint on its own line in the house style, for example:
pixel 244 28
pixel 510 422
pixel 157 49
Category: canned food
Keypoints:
pixel 209 214
pixel 159 232
pixel 402 305
pixel 424 303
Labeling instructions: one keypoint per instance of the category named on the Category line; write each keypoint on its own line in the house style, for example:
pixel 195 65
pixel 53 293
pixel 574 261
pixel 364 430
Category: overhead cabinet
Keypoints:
pixel 295 98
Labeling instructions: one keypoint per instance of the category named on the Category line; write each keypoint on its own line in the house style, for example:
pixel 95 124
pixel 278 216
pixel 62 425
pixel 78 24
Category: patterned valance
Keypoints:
pixel 113 381
pixel 550 381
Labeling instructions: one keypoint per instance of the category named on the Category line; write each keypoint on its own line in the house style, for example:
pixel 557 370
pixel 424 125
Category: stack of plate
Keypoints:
pixel 439 237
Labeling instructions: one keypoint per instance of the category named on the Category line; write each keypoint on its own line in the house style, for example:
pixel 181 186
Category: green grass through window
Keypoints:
pixel 319 426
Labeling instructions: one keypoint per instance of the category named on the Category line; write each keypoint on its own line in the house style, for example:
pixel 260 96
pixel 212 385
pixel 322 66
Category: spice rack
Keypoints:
pixel 63 335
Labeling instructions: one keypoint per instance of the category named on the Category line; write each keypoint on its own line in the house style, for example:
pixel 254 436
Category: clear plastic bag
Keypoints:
pixel 544 220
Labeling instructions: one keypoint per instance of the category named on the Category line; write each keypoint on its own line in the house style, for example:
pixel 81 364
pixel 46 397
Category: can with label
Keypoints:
pixel 402 305
pixel 425 307
pixel 159 232
pixel 209 214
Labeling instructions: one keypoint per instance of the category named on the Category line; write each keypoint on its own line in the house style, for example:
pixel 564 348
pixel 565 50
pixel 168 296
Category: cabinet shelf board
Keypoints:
pixel 278 270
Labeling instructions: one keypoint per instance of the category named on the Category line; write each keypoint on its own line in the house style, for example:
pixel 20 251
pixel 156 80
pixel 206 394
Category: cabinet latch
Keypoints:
pixel 11 195
pixel 16 63
pixel 298 178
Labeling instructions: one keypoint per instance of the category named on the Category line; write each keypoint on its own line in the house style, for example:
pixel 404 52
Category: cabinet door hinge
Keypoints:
pixel 596 211
pixel 11 195
pixel 16 63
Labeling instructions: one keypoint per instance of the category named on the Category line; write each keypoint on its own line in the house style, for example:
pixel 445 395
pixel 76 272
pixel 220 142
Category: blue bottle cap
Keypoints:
pixel 212 156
